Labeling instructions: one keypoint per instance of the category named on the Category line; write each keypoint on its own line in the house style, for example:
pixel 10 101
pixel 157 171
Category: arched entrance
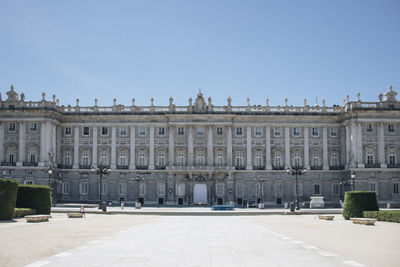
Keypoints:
pixel 200 194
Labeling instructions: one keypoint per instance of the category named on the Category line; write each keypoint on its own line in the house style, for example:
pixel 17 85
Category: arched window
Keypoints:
pixel 142 159
pixel 315 160
pixel 181 159
pixel 161 159
pixel 122 159
pixel 370 157
pixel 334 159
pixel 392 158
pixel 278 159
pixel 85 159
pixel 259 160
pixel 104 159
pixel 296 160
pixel 67 158
pixel 220 159
pixel 239 160
pixel 200 159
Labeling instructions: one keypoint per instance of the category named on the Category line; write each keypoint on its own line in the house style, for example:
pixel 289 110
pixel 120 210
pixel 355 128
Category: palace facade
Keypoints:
pixel 200 153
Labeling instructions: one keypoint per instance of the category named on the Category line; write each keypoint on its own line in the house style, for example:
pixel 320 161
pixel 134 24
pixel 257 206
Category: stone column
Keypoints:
pixel 381 146
pixel 21 144
pixel 348 146
pixel 113 147
pixel 1 142
pixel 132 156
pixel 249 165
pixel 151 151
pixel 76 148
pixel 268 165
pixel 353 140
pixel 210 152
pixel 190 146
pixel 54 142
pixel 287 147
pixel 229 147
pixel 171 146
pixel 325 165
pixel 44 147
pixel 343 145
pixel 58 144
pixel 306 149
pixel 359 147
pixel 94 152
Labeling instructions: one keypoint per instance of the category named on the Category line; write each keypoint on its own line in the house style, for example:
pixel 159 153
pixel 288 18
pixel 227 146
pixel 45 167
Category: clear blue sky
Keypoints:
pixel 256 49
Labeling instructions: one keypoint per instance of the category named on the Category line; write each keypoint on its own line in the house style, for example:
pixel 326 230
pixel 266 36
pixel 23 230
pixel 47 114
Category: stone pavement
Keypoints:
pixel 123 240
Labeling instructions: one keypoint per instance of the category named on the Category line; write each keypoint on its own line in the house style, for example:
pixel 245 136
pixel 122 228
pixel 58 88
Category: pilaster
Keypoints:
pixel 348 146
pixel 381 146
pixel 132 156
pixel 171 146
pixel 113 147
pixel 190 146
pixel 268 165
pixel 229 146
pixel 151 150
pixel 354 146
pixel 44 146
pixel 76 148
pixel 2 142
pixel 94 152
pixel 248 152
pixel 306 149
pixel 21 144
pixel 360 160
pixel 210 151
pixel 325 164
pixel 287 147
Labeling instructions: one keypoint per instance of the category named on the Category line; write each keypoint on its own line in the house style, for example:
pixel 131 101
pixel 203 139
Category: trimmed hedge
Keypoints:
pixel 8 197
pixel 384 215
pixel 355 202
pixel 21 212
pixel 35 197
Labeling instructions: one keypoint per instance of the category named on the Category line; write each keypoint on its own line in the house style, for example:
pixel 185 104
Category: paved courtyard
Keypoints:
pixel 128 240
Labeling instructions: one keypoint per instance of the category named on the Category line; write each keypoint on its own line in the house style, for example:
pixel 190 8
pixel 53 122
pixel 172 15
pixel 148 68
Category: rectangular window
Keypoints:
pixel 258 131
pixel 142 131
pixel 200 131
pixel 333 132
pixel 395 188
pixel 122 131
pixel 277 131
pixel 65 188
pixel 161 131
pixel 314 131
pixel 67 131
pixel 316 189
pixel 336 189
pixel 372 187
pixel 85 130
pixel 369 128
pixel 28 182
pixel 239 189
pixel 142 189
pixel 83 188
pixel 160 189
pixel 181 131
pixel 11 127
pixel 33 127
pixel 180 190
pixel 220 189
pixel 104 130
pixel 390 128
pixel 122 189
pixel 219 130
pixel 296 131
pixel 239 131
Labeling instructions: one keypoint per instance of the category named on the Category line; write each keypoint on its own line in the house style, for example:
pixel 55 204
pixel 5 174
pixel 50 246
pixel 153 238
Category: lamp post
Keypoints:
pixel 137 179
pixel 298 171
pixel 353 177
pixel 100 171
pixel 261 180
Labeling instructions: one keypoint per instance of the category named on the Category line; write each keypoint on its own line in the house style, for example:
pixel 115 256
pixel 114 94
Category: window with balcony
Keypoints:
pixel 297 160
pixel 315 160
pixel 200 159
pixel 259 160
pixel 370 157
pixel 161 160
pixel 85 159
pixel 67 158
pixel 239 162
pixel 278 160
pixel 392 158
pixel 372 187
pixel 181 159
pixel 334 160
pixel 220 159
pixel 104 159
pixel 123 160
pixel 32 158
pixel 142 159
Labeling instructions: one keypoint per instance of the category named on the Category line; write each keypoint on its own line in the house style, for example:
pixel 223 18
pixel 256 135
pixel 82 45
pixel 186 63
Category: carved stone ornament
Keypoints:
pixel 199 103
pixel 12 95
pixel 390 95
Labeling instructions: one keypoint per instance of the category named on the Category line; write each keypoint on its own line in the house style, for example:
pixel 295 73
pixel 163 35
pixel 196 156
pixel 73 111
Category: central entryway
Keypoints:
pixel 200 194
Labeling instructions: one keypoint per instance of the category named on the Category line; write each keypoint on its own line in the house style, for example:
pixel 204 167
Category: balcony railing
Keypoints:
pixel 160 167
pixel 393 165
pixel 278 167
pixel 240 167
pixel 374 165
pixel 122 167
pixel 258 167
pixel 8 164
pixel 142 167
pixel 64 166
pixel 29 163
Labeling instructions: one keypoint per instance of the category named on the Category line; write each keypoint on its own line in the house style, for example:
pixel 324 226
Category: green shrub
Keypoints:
pixel 384 215
pixel 355 202
pixel 35 197
pixel 8 197
pixel 21 212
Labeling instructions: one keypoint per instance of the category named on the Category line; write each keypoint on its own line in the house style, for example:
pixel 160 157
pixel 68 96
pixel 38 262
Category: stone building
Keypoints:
pixel 203 154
